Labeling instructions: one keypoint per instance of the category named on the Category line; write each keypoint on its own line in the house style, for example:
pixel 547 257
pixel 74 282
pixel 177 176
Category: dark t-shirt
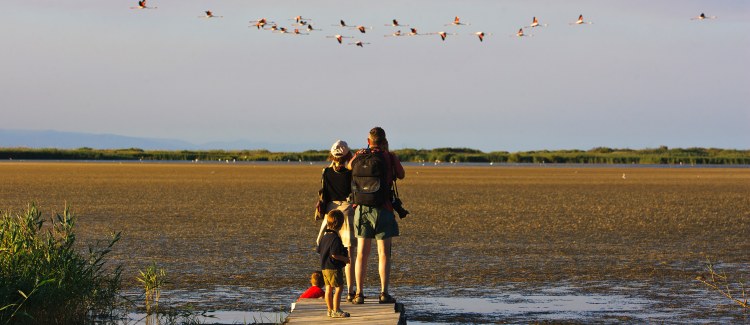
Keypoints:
pixel 338 184
pixel 331 244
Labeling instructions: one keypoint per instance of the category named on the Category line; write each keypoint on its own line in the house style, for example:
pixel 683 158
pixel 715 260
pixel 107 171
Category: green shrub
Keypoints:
pixel 44 280
pixel 152 279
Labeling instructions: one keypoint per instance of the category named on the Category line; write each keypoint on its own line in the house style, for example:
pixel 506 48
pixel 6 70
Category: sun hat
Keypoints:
pixel 339 149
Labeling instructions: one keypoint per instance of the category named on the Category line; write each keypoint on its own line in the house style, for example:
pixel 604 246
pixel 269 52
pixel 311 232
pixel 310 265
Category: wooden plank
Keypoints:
pixel 313 311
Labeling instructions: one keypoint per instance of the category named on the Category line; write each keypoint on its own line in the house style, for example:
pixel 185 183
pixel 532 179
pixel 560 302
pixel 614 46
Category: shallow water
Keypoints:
pixel 548 305
pixel 524 244
pixel 220 317
pixel 593 302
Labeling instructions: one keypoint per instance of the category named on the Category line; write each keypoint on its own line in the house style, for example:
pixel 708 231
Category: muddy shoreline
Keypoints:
pixel 483 233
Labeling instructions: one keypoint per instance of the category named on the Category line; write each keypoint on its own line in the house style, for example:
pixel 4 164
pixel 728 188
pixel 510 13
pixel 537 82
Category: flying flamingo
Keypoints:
pixel 443 35
pixel 273 28
pixel 413 32
pixel 297 32
pixel 299 19
pixel 520 33
pixel 261 23
pixel 342 24
pixel 360 28
pixel 358 43
pixel 396 24
pixel 310 28
pixel 481 35
pixel 457 22
pixel 580 21
pixel 142 5
pixel 535 23
pixel 210 14
pixel 339 38
pixel 702 16
pixel 396 34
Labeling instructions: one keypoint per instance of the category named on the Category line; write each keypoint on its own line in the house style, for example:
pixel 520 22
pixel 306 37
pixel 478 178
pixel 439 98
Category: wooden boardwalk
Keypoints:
pixel 313 311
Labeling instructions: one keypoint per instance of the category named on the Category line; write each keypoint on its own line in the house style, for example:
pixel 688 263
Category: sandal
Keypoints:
pixel 350 297
pixel 386 298
pixel 339 314
pixel 358 299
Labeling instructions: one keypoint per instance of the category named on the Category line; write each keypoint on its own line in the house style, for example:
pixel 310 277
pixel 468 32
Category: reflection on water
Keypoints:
pixel 217 317
pixel 542 304
pixel 513 304
pixel 592 302
pixel 540 307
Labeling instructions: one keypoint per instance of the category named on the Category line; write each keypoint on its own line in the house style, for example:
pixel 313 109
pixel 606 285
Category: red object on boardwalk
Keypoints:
pixel 313 292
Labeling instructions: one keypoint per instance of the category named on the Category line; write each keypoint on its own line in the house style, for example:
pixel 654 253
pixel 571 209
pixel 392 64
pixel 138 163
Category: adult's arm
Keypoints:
pixel 320 233
pixel 400 173
pixel 349 163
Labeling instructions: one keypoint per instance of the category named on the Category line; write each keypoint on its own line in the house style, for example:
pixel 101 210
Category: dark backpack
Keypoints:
pixel 368 178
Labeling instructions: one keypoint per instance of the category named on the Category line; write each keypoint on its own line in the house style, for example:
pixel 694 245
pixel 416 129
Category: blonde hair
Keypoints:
pixel 335 219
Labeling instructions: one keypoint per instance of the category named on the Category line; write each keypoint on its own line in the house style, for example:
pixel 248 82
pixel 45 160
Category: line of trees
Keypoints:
pixel 599 155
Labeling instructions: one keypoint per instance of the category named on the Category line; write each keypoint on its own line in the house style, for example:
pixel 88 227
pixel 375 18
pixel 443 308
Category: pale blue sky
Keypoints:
pixel 642 75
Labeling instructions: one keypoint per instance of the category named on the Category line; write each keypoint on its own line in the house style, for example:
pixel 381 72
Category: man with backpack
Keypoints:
pixel 373 171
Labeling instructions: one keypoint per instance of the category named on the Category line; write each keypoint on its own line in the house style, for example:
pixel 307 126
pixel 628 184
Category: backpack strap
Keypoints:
pixel 320 206
pixel 393 178
pixel 322 191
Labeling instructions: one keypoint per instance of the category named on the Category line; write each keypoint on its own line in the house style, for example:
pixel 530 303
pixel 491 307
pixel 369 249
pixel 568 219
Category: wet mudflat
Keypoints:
pixel 483 244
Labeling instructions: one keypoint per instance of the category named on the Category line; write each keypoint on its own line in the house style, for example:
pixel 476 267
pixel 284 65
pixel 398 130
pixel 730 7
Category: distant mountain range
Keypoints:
pixel 74 140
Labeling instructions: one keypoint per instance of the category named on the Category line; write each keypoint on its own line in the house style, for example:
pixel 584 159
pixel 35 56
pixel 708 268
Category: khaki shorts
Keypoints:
pixel 347 230
pixel 334 278
pixel 378 223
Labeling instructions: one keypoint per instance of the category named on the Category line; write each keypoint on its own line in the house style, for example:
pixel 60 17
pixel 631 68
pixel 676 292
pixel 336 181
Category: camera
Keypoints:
pixel 398 207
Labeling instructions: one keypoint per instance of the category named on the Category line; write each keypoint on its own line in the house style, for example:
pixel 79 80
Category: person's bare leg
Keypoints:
pixel 384 263
pixel 360 268
pixel 337 299
pixel 349 271
pixel 329 298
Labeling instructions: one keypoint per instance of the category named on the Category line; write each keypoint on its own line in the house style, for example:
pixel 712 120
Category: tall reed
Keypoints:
pixel 44 280
pixel 720 282
pixel 152 279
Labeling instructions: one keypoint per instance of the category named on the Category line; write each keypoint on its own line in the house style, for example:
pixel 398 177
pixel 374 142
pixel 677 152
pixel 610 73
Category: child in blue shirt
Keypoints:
pixel 333 258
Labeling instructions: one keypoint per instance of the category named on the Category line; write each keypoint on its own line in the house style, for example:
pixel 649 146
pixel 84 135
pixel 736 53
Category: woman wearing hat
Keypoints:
pixel 337 180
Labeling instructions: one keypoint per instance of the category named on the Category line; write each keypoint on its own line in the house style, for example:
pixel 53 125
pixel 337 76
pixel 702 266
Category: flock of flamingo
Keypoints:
pixel 305 24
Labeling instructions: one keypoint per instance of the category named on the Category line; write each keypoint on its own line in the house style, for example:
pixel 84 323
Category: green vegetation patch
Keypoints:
pixel 599 155
pixel 43 279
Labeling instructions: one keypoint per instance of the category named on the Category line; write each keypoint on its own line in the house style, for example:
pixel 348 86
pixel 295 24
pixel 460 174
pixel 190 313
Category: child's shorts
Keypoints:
pixel 334 278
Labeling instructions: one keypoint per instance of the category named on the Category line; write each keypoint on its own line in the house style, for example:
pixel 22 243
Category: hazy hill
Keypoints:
pixel 73 140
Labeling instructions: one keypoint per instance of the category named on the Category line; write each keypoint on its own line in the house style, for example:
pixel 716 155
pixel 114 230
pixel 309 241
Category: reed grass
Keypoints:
pixel 152 279
pixel 43 279
pixel 720 282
